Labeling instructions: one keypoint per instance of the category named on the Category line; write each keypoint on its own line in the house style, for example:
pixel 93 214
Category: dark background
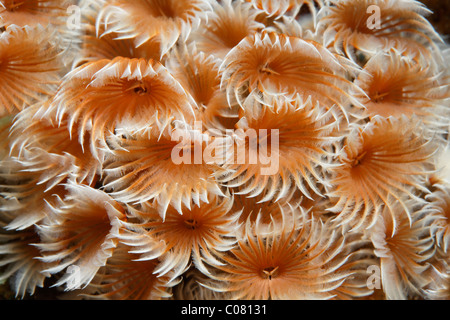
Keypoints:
pixel 441 16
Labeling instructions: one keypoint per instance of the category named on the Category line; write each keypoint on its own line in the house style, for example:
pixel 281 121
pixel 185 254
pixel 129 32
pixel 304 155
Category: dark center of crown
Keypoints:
pixel 270 272
pixel 191 224
pixel 140 90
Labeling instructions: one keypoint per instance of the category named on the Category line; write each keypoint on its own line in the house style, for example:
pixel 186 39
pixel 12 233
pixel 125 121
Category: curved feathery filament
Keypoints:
pixel 29 179
pixel 278 148
pixel 105 95
pixel 160 166
pixel 197 73
pixel 439 288
pixel 142 20
pixel 275 64
pixel 24 201
pixel 360 257
pixel 41 146
pixel 97 44
pixel 83 232
pixel 440 202
pixel 29 67
pixel 381 162
pixel 286 8
pixel 316 207
pixel 264 216
pixel 5 127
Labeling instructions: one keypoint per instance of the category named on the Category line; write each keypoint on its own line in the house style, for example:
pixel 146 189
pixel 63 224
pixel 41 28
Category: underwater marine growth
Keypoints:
pixel 232 149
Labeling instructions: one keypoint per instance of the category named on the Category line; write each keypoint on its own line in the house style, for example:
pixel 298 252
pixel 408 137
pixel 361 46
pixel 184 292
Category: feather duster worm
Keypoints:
pixel 280 147
pixel 275 64
pixel 24 197
pixel 59 16
pixel 29 67
pixel 42 156
pixel 283 8
pixel 96 44
pixel 191 289
pixel 33 12
pixel 82 232
pixel 126 277
pixel 299 262
pixel 228 23
pixel 199 74
pixel 396 85
pixel 439 289
pixel 48 148
pixel 30 174
pixel 438 207
pixel 317 206
pixel 105 95
pixel 440 178
pixel 440 201
pixel 369 26
pixel 403 252
pixel 382 162
pixel 5 127
pixel 202 232
pixel 160 166
pixel 108 47
pixel 167 20
pixel 19 254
